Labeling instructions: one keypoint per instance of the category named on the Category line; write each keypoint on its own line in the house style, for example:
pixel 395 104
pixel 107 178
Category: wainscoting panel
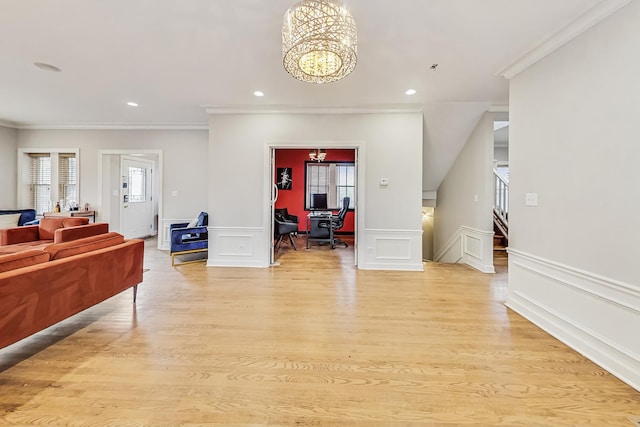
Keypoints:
pixel 391 250
pixel 478 249
pixel 164 236
pixel 451 253
pixel 469 246
pixel 237 247
pixel 595 315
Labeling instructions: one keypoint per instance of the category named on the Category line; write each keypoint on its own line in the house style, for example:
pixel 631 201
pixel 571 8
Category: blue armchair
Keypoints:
pixel 186 239
pixel 26 215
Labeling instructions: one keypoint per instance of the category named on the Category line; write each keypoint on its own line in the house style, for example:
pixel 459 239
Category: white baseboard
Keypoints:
pixel 597 316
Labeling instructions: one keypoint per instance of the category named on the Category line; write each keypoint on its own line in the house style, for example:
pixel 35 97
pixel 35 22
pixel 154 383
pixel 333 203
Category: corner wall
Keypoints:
pixel 463 225
pixel 574 143
pixel 8 168
pixel 389 217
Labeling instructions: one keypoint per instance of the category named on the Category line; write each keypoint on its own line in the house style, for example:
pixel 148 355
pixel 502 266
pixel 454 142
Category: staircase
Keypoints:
pixel 500 213
pixel 501 234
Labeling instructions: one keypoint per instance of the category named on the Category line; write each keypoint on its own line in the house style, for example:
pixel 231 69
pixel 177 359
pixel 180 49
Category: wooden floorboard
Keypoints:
pixel 310 342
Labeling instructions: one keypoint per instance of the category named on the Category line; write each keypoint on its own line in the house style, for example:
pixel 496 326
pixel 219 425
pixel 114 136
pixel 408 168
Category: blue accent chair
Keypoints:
pixel 26 215
pixel 189 240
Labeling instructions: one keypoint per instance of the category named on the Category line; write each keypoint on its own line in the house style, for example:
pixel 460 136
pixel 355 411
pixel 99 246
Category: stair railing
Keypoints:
pixel 501 202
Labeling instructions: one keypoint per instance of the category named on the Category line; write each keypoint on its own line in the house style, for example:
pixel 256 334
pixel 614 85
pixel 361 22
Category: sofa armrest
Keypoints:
pixel 68 234
pixel 11 236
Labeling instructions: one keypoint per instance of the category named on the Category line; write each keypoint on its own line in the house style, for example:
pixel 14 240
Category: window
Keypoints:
pixel 68 179
pixel 47 178
pixel 137 185
pixel 337 180
pixel 40 182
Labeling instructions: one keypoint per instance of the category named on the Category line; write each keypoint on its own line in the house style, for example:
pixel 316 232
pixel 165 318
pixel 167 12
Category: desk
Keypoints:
pixel 317 233
pixel 89 214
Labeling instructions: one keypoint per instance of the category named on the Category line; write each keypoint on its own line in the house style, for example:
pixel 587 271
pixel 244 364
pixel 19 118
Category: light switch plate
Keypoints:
pixel 531 199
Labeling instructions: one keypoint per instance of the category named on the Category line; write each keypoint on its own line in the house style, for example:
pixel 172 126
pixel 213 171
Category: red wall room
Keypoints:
pixel 293 199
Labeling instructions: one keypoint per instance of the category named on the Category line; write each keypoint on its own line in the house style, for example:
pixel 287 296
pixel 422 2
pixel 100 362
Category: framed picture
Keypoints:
pixel 283 178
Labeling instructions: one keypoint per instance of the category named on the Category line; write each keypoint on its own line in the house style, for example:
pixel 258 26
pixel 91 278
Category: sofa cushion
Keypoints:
pixel 87 244
pixel 48 226
pixel 9 220
pixel 25 246
pixel 22 259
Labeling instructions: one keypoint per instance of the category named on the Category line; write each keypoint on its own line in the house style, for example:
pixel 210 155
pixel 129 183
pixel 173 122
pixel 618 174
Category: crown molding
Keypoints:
pixel 10 125
pixel 115 126
pixel 581 24
pixel 304 109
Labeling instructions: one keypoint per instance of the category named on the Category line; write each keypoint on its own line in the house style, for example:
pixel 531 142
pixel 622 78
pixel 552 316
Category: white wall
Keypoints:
pixel 390 146
pixel 463 230
pixel 501 154
pixel 8 169
pixel 110 203
pixel 184 154
pixel 574 142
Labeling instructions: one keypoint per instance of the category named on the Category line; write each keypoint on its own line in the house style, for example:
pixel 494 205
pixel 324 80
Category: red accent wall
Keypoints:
pixel 293 199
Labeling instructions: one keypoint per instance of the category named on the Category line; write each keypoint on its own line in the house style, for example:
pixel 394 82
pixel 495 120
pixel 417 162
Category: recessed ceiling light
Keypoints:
pixel 47 67
pixel 258 93
pixel 132 104
pixel 411 92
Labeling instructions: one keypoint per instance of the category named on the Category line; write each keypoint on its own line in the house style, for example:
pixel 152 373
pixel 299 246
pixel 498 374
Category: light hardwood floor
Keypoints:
pixel 310 342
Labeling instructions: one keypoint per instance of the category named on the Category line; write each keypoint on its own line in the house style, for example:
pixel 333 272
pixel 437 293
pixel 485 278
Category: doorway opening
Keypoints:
pixel 501 193
pixel 300 181
pixel 130 188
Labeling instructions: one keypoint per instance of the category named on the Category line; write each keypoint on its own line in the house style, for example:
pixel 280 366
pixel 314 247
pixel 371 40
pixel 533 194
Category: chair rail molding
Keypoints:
pixel 469 246
pixel 562 300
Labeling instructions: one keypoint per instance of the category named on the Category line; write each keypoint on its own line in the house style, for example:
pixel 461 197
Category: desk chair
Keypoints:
pixel 283 228
pixel 337 222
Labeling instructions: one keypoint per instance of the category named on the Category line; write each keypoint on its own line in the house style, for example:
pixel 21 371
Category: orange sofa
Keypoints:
pixel 50 230
pixel 40 286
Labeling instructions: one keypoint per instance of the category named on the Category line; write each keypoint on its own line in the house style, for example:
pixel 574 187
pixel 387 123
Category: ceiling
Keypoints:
pixel 174 58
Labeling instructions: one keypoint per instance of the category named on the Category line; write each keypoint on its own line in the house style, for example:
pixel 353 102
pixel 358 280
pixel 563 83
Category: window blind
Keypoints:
pixel 68 179
pixel 40 182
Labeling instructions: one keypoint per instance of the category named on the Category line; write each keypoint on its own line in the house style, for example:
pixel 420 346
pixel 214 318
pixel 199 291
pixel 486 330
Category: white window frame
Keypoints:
pixel 332 199
pixel 24 173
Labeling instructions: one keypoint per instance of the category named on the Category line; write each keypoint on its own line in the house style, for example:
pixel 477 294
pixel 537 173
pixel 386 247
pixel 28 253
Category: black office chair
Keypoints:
pixel 285 227
pixel 337 222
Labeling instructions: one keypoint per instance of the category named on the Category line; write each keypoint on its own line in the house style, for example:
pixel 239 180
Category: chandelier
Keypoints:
pixel 319 41
pixel 318 155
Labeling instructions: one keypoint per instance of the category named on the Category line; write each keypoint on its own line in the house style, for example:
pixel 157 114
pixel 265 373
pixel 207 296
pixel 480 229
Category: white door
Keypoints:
pixel 136 203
